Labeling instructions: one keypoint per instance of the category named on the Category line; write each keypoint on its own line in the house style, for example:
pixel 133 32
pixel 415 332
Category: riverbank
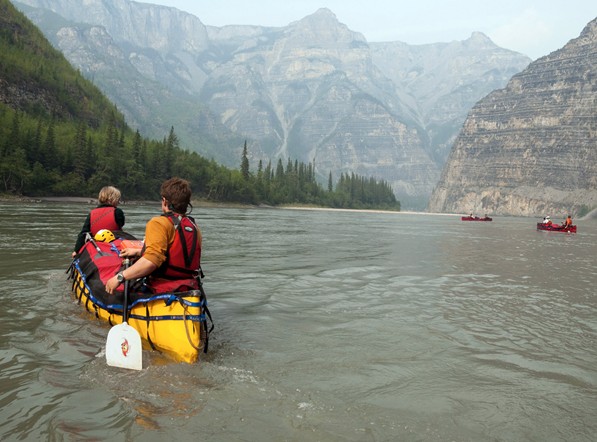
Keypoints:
pixel 401 212
pixel 592 216
pixel 198 204
pixel 7 198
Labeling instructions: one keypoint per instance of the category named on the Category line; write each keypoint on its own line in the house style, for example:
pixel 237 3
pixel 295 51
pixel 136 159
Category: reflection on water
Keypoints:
pixel 329 326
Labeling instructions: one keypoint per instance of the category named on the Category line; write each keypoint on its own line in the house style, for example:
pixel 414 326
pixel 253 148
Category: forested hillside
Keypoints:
pixel 60 136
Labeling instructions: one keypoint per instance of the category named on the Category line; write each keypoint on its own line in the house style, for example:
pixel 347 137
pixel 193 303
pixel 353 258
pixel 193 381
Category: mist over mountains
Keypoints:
pixel 314 90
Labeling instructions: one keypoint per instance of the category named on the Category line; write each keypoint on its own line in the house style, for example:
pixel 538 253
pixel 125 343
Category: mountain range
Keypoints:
pixel 313 90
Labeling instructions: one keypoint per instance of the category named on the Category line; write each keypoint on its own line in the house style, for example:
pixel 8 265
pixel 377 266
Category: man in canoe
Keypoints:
pixel 567 222
pixel 171 254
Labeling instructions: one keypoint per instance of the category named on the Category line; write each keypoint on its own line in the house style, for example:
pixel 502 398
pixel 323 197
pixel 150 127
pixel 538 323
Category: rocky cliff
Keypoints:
pixel 313 90
pixel 530 148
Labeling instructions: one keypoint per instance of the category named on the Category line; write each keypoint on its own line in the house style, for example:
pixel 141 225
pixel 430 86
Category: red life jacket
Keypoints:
pixel 103 218
pixel 159 285
pixel 184 255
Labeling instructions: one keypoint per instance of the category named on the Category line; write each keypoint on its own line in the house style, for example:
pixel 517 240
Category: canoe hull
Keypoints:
pixel 555 228
pixel 171 323
pixel 475 218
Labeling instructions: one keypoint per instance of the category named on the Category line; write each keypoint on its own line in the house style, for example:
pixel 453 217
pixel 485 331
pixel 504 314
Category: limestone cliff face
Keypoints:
pixel 530 149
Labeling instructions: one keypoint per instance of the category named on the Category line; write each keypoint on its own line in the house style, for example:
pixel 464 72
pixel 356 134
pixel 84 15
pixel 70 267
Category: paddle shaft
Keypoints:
pixel 125 307
pixel 92 241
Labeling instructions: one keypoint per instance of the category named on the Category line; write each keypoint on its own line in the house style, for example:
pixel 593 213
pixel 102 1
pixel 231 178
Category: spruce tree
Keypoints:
pixel 244 163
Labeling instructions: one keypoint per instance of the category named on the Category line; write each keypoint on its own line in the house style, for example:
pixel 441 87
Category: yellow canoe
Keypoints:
pixel 173 323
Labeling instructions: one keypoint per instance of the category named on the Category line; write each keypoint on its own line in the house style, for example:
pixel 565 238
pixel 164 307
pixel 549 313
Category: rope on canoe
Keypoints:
pixel 186 329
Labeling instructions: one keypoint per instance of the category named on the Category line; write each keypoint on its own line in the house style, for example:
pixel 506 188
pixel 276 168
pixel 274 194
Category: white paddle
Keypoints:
pixel 123 346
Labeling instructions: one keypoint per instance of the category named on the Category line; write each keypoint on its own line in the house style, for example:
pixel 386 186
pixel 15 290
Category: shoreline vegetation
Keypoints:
pixel 202 203
pixel 7 198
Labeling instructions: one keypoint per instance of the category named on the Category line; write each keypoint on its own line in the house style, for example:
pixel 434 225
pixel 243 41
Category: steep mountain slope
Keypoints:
pixel 444 80
pixel 313 90
pixel 50 115
pixel 60 136
pixel 154 85
pixel 530 148
pixel 37 79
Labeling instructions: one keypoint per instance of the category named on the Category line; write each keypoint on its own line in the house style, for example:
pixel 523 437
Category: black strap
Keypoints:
pixel 203 299
pixel 189 272
pixel 147 317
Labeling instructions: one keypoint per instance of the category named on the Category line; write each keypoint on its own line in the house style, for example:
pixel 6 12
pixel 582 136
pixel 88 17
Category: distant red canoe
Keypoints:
pixel 476 218
pixel 556 228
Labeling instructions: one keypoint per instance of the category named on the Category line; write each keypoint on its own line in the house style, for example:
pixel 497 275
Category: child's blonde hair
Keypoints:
pixel 109 195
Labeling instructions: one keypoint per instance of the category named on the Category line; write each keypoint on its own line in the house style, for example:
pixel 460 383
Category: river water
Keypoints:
pixel 330 326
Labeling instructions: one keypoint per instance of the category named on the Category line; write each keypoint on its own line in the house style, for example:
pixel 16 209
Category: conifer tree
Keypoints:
pixel 136 148
pixel 12 142
pixel 244 164
pixel 50 155
pixel 171 145
pixel 80 150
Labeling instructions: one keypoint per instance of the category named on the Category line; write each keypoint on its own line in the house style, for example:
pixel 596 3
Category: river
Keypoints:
pixel 329 326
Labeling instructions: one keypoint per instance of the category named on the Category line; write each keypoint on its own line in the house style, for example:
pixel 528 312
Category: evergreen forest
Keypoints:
pixel 59 136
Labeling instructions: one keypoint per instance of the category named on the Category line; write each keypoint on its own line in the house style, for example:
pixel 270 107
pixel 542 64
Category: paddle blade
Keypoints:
pixel 123 347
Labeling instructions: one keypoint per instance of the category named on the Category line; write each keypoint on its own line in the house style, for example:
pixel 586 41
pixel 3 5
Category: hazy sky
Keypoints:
pixel 532 27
